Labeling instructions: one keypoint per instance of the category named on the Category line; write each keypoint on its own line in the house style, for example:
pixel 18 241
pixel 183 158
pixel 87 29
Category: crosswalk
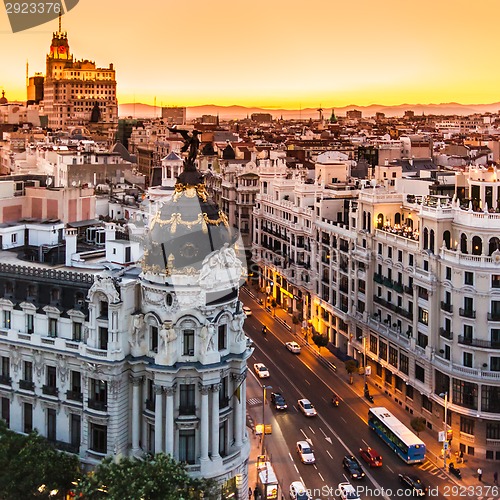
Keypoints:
pixel 432 469
pixel 254 401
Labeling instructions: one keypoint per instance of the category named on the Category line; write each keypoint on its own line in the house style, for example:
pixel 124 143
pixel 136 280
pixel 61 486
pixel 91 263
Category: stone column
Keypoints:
pixel 169 421
pixel 204 429
pixel 136 413
pixel 215 420
pixel 158 419
pixel 238 407
pixel 243 396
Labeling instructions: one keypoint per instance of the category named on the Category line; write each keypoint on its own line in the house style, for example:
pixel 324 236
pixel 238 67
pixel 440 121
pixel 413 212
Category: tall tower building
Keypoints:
pixel 77 92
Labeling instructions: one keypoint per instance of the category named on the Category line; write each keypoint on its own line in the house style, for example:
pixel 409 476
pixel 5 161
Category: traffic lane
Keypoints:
pixel 341 418
pixel 272 345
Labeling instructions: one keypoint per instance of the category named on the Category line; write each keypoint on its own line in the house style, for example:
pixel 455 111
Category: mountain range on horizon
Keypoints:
pixel 236 112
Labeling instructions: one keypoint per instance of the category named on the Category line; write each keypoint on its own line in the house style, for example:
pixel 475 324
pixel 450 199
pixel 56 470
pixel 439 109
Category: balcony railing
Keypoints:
pixel 27 385
pixel 5 380
pixel 74 395
pixel 408 289
pixel 50 390
pixel 223 402
pixel 447 334
pixel 95 404
pixel 150 404
pixel 446 306
pixel 488 344
pixel 494 316
pixel 467 313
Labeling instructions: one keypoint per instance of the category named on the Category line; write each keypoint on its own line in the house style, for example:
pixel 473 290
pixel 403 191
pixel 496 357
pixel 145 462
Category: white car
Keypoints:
pixel 347 492
pixel 305 452
pixel 293 347
pixel 306 407
pixel 298 491
pixel 247 310
pixel 261 370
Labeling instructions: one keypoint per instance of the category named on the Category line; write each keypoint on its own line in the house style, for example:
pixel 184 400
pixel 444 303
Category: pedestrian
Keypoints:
pixel 461 456
pixel 249 493
pixel 479 474
pixel 495 478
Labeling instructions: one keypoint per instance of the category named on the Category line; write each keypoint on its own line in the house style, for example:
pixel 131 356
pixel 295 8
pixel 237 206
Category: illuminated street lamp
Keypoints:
pixel 445 437
pixel 264 388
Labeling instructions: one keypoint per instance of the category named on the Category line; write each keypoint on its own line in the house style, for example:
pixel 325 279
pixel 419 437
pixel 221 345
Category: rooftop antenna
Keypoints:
pixel 60 17
pixel 154 111
pixel 27 70
pixel 320 111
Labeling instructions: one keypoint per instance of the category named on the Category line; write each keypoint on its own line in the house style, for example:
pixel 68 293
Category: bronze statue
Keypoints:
pixel 191 143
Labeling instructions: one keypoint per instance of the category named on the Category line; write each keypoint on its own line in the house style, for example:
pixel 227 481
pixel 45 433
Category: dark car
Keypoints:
pixel 413 485
pixel 353 467
pixel 278 401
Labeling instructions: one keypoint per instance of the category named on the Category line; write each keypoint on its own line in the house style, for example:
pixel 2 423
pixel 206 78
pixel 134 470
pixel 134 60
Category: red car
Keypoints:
pixel 371 457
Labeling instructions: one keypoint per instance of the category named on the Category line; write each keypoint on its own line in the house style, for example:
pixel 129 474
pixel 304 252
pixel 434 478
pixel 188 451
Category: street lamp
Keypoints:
pixel 445 440
pixel 264 387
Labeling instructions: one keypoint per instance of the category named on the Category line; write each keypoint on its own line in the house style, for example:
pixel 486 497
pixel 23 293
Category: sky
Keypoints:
pixel 274 53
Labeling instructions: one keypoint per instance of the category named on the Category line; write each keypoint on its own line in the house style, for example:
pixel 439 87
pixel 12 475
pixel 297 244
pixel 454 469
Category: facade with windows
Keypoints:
pixel 413 283
pixel 144 359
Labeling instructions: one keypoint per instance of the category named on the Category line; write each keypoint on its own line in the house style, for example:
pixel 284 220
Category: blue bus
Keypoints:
pixel 396 435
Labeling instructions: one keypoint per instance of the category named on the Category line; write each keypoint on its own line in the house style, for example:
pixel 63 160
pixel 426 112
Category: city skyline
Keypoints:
pixel 277 55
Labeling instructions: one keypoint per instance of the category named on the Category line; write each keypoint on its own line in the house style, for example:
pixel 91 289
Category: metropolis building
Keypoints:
pixel 409 283
pixel 135 359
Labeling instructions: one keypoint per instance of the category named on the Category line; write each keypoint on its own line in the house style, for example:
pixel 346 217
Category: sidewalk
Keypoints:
pixel 383 398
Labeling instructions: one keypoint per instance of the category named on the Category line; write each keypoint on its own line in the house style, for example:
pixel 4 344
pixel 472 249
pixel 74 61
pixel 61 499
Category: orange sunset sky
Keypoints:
pixel 275 53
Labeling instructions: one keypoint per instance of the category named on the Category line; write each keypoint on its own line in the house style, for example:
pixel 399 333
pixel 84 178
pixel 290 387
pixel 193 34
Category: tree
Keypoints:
pixel 351 367
pixel 320 340
pixel 30 465
pixel 295 322
pixel 157 477
pixel 418 424
pixel 274 305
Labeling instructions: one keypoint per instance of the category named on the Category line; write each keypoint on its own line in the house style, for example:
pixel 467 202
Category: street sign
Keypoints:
pixel 445 446
pixel 368 370
pixel 441 436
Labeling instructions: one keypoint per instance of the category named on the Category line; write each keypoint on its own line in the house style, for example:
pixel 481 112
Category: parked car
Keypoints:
pixel 261 370
pixel 298 491
pixel 306 407
pixel 413 484
pixel 305 452
pixel 347 491
pixel 278 401
pixel 372 457
pixel 353 467
pixel 247 310
pixel 293 347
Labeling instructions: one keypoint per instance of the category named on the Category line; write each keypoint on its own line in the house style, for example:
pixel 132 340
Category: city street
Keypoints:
pixel 335 432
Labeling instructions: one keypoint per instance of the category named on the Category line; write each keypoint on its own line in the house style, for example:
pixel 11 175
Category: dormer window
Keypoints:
pixel 103 309
pixel 55 295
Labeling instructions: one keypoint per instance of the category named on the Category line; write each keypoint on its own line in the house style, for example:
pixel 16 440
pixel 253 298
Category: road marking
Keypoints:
pixel 307 382
pixel 315 467
pixel 344 419
pixel 366 444
pixel 311 429
pixel 328 438
pixel 345 477
pixel 254 401
pixel 322 478
pixel 296 468
pixel 305 435
pixel 390 469
pixel 329 454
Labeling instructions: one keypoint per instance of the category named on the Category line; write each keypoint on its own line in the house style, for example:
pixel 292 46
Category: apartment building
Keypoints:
pixel 409 283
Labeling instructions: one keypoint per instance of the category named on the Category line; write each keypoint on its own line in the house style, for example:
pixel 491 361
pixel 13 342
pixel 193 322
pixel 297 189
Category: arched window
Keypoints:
pixel 380 221
pixel 432 241
pixel 477 245
pixel 397 218
pixel 409 222
pixel 426 238
pixel 447 239
pixel 463 243
pixel 494 244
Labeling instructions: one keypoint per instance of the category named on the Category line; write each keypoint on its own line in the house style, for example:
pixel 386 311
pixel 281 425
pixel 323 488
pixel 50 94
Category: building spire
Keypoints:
pixel 60 17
